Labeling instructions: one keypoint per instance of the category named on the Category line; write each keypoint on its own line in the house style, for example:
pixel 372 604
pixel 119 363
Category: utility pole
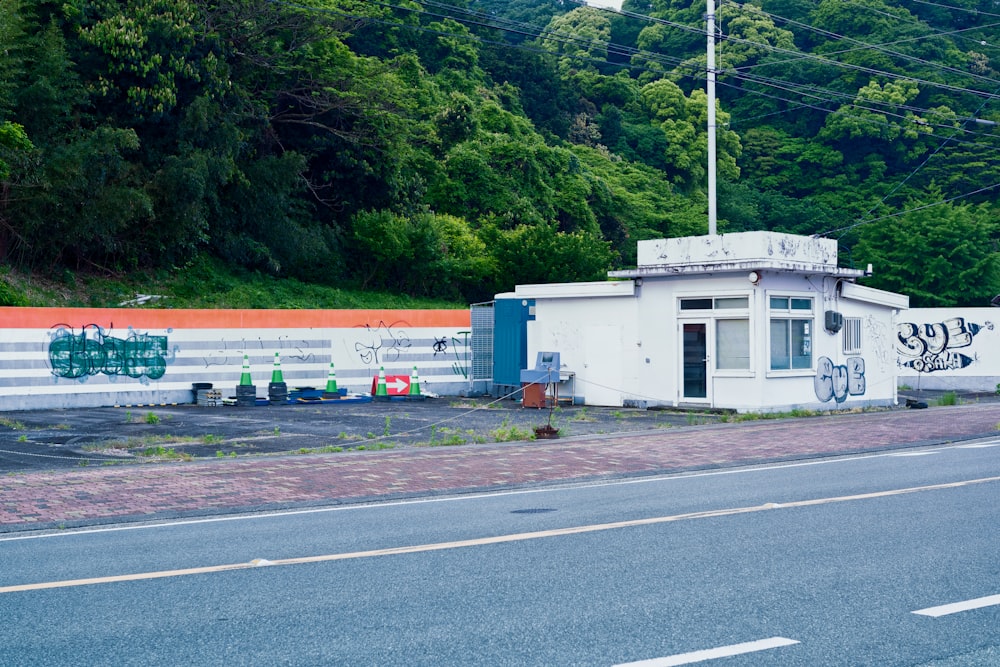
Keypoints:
pixel 710 91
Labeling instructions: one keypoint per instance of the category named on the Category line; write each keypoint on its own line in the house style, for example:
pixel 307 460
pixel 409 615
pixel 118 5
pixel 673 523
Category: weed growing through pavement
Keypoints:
pixel 164 453
pixel 152 418
pixel 388 426
pixel 948 398
pixel 22 438
pixel 210 439
pixel 442 436
pixel 698 420
pixel 335 449
pixel 754 416
pixel 507 433
pixel 12 424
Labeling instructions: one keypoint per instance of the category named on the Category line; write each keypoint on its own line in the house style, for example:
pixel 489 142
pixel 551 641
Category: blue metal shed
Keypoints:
pixel 510 341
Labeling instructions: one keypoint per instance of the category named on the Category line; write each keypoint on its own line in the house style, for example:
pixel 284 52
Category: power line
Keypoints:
pixel 478 19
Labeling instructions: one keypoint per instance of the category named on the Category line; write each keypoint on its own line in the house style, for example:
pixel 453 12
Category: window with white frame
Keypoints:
pixel 732 328
pixel 732 344
pixel 791 327
pixel 852 335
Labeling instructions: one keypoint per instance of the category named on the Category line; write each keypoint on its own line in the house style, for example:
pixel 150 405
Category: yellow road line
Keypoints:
pixel 486 541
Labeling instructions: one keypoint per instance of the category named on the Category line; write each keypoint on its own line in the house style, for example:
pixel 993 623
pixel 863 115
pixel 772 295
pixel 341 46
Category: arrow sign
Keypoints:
pixel 395 385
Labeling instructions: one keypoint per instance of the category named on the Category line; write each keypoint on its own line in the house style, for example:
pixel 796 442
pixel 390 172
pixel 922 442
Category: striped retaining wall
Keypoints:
pixel 92 357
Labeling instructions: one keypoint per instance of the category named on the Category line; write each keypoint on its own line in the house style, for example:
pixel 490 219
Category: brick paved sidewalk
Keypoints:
pixel 86 496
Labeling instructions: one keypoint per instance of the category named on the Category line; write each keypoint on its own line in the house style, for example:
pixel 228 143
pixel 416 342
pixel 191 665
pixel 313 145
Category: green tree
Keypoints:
pixel 542 254
pixel 939 255
pixel 684 121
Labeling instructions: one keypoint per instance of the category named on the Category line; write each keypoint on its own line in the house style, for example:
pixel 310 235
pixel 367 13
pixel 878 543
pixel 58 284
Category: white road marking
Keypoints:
pixel 500 539
pixel 713 653
pixel 981 445
pixel 956 607
pixel 900 454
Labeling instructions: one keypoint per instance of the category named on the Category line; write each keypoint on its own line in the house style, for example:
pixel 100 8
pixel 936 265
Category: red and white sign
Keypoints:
pixel 395 385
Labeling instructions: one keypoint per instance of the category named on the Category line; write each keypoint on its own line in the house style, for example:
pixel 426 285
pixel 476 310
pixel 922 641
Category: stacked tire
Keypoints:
pixel 246 395
pixel 277 393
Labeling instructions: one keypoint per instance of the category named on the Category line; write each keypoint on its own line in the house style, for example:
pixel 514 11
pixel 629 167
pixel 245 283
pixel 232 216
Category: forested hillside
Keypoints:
pixel 452 149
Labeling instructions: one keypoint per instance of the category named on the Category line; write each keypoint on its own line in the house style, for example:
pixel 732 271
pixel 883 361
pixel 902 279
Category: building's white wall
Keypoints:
pixel 645 366
pixel 596 340
pixel 948 348
pixel 90 358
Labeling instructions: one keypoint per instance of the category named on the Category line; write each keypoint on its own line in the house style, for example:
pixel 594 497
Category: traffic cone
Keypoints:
pixel 245 379
pixel 331 381
pixel 414 383
pixel 276 375
pixel 380 389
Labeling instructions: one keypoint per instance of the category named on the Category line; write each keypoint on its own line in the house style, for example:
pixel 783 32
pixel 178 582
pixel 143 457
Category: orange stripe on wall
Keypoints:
pixel 142 318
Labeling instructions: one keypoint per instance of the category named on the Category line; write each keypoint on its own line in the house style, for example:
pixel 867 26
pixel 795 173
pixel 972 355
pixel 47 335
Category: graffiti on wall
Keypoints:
pixel 231 352
pixel 838 381
pixel 381 344
pixel 92 351
pixel 880 334
pixel 934 347
pixel 461 349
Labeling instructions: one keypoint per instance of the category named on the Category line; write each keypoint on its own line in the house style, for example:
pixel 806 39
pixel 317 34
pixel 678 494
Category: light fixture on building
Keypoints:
pixel 754 277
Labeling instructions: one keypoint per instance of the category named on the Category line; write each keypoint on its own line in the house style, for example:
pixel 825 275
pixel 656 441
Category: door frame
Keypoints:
pixel 705 322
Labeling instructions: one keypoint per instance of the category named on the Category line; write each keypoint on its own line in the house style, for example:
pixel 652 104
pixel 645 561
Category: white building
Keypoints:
pixel 755 321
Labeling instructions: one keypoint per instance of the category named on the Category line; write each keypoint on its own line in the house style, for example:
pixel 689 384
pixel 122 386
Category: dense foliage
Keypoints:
pixel 454 148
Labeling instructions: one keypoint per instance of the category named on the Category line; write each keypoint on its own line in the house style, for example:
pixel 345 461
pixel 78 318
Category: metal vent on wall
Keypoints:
pixel 481 366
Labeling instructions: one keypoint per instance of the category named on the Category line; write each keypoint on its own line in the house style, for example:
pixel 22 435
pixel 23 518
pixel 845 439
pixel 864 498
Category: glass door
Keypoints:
pixel 695 358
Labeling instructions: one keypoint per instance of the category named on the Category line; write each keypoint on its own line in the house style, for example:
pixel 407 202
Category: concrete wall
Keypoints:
pixel 81 357
pixel 948 348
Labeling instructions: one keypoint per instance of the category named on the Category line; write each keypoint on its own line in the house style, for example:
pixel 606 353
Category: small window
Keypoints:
pixel 802 304
pixel 732 302
pixel 791 327
pixel 718 303
pixel 852 335
pixel 696 304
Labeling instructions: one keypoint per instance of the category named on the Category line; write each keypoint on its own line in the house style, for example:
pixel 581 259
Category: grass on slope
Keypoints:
pixel 205 283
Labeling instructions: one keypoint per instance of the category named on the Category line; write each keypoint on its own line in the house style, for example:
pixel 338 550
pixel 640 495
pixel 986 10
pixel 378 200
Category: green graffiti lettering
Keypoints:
pixel 92 352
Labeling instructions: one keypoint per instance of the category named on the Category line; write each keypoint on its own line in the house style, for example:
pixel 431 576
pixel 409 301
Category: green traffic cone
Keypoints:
pixel 245 379
pixel 414 383
pixel 276 373
pixel 331 381
pixel 380 389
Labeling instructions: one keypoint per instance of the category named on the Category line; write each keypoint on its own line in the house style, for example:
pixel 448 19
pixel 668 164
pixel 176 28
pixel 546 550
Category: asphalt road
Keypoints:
pixel 52 439
pixel 813 563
